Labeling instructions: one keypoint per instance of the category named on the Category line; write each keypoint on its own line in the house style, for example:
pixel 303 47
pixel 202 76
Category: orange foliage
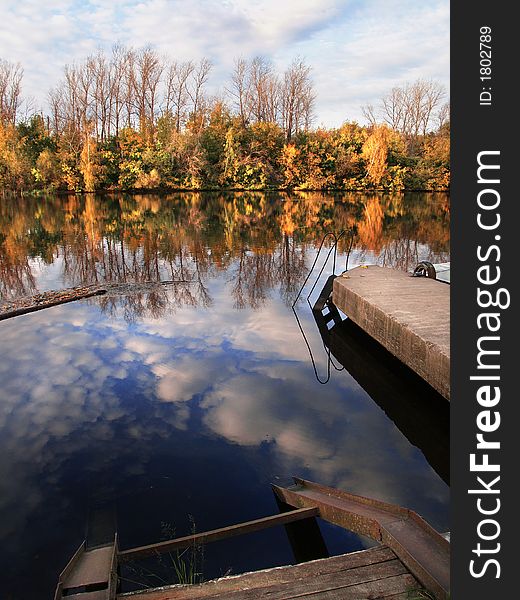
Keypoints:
pixel 370 229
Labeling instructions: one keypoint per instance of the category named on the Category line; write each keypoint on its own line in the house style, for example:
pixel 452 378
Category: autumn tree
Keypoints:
pixel 88 160
pixel 14 168
pixel 264 91
pixel 239 90
pixel 410 109
pixel 34 137
pixel 375 151
pixel 176 98
pixel 199 78
pixel 118 68
pixel 46 171
pixel 10 91
pixel 213 140
pixel 101 72
pixel 259 95
pixel 297 98
pixel 145 77
pixel 132 118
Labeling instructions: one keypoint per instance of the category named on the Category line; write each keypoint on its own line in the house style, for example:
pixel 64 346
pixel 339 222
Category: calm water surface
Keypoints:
pixel 182 405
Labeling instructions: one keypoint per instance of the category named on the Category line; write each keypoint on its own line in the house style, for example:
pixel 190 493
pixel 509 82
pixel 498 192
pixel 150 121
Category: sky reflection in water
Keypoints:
pixel 172 409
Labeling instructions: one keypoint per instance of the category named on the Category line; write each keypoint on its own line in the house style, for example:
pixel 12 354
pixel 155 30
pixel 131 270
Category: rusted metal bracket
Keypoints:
pixel 90 571
pixel 423 550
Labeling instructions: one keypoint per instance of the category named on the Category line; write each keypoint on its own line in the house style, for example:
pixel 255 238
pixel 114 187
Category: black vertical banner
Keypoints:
pixel 485 438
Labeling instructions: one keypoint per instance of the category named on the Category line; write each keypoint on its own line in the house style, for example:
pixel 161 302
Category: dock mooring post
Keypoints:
pixel 305 537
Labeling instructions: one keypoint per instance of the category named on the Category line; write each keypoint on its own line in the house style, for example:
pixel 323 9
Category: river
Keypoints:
pixel 178 406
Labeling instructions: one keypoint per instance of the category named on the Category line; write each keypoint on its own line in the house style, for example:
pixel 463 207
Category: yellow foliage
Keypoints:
pixel 289 162
pixel 46 167
pixel 375 151
pixel 148 180
pixel 370 229
pixel 88 167
pixel 13 165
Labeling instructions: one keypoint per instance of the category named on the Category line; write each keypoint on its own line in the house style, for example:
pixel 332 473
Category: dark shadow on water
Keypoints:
pixel 418 410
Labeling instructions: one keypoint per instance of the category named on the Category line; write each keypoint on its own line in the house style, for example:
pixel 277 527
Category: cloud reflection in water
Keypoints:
pixel 93 405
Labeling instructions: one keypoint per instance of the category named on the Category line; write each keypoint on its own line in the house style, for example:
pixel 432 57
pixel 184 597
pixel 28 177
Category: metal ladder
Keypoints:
pixel 324 301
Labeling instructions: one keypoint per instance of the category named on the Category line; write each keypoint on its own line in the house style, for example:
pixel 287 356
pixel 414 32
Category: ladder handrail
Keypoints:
pixel 334 248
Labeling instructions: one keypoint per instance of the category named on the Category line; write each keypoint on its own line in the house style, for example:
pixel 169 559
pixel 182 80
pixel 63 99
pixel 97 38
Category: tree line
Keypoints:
pixel 132 119
pixel 263 239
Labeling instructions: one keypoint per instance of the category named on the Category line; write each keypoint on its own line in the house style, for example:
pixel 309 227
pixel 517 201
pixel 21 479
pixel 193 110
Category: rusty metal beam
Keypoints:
pixel 420 547
pixel 218 534
pixel 68 570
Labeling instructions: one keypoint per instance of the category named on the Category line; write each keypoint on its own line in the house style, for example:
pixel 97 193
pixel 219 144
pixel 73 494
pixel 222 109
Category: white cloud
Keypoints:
pixel 251 389
pixel 182 378
pixel 358 51
pixel 381 45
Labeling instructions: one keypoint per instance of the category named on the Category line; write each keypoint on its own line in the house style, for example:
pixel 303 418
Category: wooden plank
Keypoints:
pixel 28 304
pixel 49 303
pixel 59 591
pixel 335 590
pixel 384 512
pixel 218 534
pixel 382 588
pixel 67 570
pixel 314 586
pixel 267 577
pixel 394 509
pixel 406 595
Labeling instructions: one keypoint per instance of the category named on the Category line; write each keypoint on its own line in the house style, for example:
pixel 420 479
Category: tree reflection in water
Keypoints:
pixel 264 242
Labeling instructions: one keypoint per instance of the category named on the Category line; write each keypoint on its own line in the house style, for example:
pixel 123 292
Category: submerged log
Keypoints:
pixel 28 304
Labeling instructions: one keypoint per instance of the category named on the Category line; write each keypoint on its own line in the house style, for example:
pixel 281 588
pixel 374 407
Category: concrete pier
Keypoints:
pixel 409 316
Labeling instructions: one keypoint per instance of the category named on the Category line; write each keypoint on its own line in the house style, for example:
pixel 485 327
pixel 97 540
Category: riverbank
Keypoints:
pixel 161 191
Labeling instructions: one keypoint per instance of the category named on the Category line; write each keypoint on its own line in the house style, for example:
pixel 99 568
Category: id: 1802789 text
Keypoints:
pixel 485 66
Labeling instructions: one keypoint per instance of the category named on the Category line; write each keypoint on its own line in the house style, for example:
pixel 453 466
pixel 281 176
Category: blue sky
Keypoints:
pixel 358 49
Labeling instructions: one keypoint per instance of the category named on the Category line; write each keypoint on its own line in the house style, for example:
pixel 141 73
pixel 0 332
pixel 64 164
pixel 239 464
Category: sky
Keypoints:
pixel 358 49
